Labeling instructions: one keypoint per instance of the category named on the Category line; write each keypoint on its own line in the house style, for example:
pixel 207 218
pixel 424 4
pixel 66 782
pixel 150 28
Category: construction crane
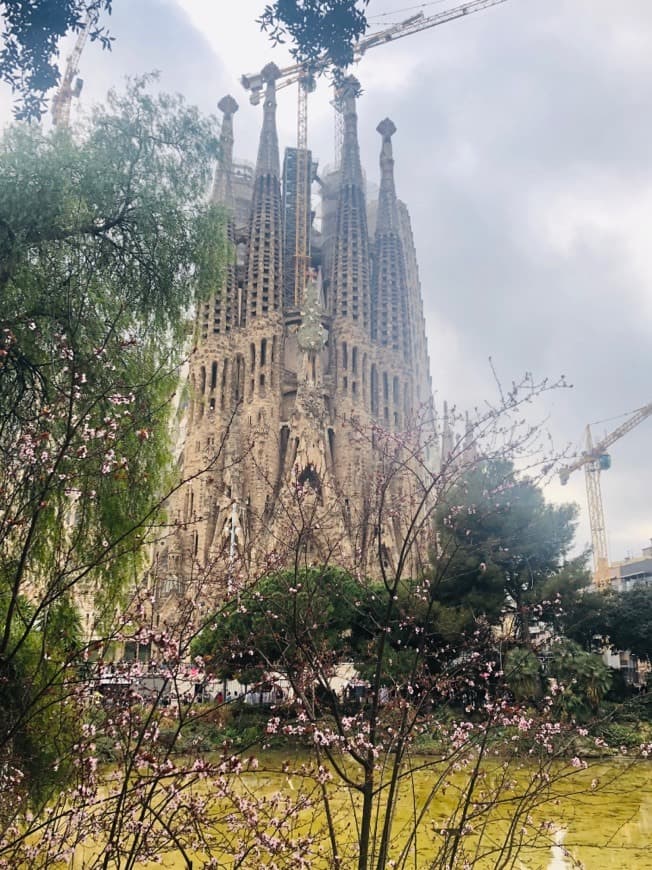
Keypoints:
pixel 594 460
pixel 305 78
pixel 71 85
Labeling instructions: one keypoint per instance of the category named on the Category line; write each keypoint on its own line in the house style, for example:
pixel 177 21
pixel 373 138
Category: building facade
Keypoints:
pixel 632 572
pixel 309 429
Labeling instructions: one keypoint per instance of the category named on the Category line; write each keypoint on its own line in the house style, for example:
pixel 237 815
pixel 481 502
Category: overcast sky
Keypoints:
pixel 523 153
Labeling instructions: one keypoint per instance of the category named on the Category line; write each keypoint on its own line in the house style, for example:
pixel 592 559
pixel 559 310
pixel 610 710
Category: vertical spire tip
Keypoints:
pixel 386 128
pixel 270 73
pixel 348 91
pixel 228 106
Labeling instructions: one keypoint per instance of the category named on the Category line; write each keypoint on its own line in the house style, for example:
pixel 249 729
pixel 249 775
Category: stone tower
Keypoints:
pixel 298 416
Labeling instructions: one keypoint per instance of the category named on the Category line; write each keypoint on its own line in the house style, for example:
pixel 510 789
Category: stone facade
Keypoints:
pixel 299 417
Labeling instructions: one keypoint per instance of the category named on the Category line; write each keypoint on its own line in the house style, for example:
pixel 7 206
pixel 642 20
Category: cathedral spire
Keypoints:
pixel 470 452
pixel 350 277
pixel 223 184
pixel 268 159
pixel 390 311
pixel 224 302
pixel 351 166
pixel 387 206
pixel 447 437
pixel 264 281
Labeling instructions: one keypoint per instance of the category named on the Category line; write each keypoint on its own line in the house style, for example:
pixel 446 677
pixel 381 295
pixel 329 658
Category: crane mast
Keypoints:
pixel 299 73
pixel 71 85
pixel 595 460
pixel 592 469
pixel 302 216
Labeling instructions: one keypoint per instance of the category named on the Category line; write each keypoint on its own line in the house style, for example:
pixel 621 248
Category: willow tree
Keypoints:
pixel 106 239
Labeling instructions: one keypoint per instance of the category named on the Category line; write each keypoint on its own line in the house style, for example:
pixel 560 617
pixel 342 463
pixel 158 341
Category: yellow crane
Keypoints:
pixel 305 78
pixel 595 459
pixel 71 85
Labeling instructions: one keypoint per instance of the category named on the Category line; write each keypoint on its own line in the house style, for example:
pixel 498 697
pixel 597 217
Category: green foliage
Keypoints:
pixel 583 679
pixel 106 241
pixel 622 620
pixel 523 673
pixel 294 622
pixel 501 549
pixel 38 715
pixel 317 28
pixel 618 734
pixel 630 621
pixel 586 619
pixel 120 211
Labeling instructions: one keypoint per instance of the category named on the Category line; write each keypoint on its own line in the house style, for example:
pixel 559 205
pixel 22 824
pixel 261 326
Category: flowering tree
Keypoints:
pixel 430 714
pixel 420 755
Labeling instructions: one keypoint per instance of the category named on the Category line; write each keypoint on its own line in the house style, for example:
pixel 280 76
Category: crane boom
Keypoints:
pixel 420 22
pixel 594 452
pixel 62 100
pixel 594 460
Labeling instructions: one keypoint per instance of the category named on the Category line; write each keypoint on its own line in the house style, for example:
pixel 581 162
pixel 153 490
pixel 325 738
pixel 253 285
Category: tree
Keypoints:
pixel 424 664
pixel 104 241
pixel 588 618
pixel 604 617
pixel 501 549
pixel 523 673
pixel 582 677
pixel 32 30
pixel 629 621
pixel 289 621
pixel 360 793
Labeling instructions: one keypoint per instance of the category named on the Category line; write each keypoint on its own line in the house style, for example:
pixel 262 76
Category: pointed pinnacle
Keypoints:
pixel 386 128
pixel 348 90
pixel 270 73
pixel 227 105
